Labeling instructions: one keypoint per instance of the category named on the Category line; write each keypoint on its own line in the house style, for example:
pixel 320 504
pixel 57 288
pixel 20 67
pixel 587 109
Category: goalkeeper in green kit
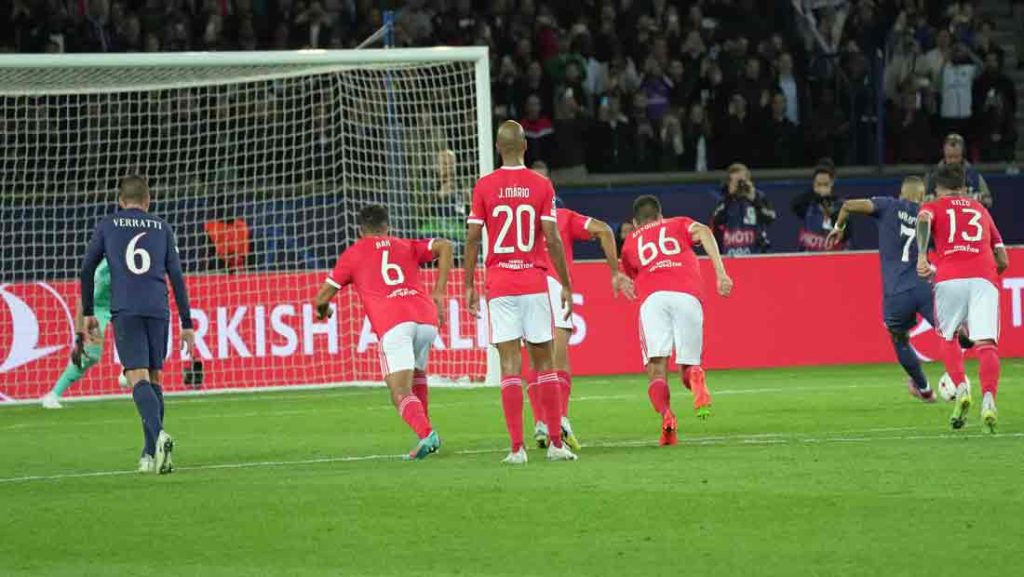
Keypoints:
pixel 86 352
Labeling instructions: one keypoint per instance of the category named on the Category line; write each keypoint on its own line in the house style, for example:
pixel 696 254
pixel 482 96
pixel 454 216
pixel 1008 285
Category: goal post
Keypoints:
pixel 261 162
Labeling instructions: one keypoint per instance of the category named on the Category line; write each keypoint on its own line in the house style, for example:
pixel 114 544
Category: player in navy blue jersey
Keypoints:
pixel 906 295
pixel 141 253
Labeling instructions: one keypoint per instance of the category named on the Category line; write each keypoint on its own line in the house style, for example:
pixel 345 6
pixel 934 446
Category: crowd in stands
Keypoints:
pixel 635 85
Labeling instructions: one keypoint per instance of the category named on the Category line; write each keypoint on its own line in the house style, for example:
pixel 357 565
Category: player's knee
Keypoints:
pixel 899 336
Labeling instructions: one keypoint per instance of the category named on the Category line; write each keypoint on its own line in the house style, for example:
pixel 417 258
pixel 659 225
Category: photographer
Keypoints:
pixel 817 210
pixel 741 219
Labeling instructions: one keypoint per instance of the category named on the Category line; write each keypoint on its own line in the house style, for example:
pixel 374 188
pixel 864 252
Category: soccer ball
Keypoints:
pixel 947 389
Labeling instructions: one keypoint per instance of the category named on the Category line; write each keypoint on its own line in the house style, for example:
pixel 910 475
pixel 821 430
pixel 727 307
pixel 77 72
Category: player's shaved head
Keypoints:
pixel 133 190
pixel 912 189
pixel 646 208
pixel 374 219
pixel 511 142
pixel 949 179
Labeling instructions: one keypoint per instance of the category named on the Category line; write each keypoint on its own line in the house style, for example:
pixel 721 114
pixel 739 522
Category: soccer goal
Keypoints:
pixel 261 161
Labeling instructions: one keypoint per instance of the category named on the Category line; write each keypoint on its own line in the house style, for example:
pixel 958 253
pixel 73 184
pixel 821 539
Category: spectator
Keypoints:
pixel 795 89
pixel 996 128
pixel 96 33
pixel 681 85
pixel 984 42
pixel 312 25
pixel 645 138
pixel 957 78
pixel 539 130
pixel 740 220
pixel 952 154
pixel 780 146
pixel 541 168
pixel 828 127
pixel 817 210
pixel 755 89
pixel 736 140
pixel 610 144
pixel 671 143
pixel 696 140
pixel 935 59
pixel 624 230
pixel 504 97
pixel 656 88
pixel 993 84
pixel 534 84
pixel 570 142
pixel 909 129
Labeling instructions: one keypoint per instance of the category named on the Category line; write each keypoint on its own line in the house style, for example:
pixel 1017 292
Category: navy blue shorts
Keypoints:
pixel 900 310
pixel 141 341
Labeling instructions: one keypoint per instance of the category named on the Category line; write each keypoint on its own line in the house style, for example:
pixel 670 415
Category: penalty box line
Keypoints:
pixel 739 440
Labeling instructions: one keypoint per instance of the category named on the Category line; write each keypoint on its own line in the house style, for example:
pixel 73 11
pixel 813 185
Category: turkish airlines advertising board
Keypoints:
pixel 259 330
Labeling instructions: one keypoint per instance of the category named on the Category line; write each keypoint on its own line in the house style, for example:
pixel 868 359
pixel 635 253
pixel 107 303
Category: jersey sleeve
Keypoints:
pixel 927 208
pixel 997 237
pixel 477 211
pixel 177 278
pixel 547 205
pixel 881 205
pixel 578 226
pixel 342 273
pixel 423 250
pixel 684 229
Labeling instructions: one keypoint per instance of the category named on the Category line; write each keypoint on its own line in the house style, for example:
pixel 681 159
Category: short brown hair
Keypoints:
pixel 133 189
pixel 950 176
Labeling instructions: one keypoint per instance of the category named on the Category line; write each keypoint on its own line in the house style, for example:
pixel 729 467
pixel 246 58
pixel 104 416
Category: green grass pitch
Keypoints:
pixel 818 471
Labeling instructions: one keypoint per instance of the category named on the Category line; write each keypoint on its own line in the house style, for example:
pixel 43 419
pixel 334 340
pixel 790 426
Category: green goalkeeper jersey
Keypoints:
pixel 101 294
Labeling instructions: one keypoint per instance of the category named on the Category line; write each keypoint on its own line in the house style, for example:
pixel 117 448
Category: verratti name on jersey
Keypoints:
pixel 124 222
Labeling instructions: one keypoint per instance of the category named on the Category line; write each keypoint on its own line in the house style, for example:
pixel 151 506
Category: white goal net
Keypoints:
pixel 261 162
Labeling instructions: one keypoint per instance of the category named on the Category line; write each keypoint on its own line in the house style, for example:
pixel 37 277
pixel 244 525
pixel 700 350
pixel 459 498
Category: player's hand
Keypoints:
pixel 92 328
pixel 79 351
pixel 439 301
pixel 567 302
pixel 188 342
pixel 924 270
pixel 324 312
pixel 622 284
pixel 835 236
pixel 724 285
pixel 472 301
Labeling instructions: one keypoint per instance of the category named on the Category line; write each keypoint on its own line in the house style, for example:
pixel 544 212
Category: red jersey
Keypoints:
pixel 385 272
pixel 659 257
pixel 964 237
pixel 510 203
pixel 572 226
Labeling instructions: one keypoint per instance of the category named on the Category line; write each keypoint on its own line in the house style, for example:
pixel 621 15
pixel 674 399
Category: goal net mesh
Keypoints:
pixel 262 171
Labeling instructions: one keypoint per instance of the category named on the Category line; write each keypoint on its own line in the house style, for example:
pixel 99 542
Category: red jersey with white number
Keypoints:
pixel 385 272
pixel 510 203
pixel 964 236
pixel 572 226
pixel 659 257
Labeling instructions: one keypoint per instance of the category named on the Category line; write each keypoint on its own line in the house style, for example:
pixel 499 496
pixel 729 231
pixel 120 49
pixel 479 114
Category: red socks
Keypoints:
pixel 534 394
pixel 419 388
pixel 512 405
pixel 551 397
pixel 687 375
pixel 565 385
pixel 414 415
pixel 657 390
pixel 988 368
pixel 953 357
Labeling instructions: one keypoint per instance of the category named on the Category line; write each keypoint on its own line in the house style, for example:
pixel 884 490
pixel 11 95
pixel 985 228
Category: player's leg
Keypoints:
pixel 951 302
pixel 422 341
pixel 561 364
pixel 656 346
pixel 688 335
pixel 537 332
pixel 157 331
pixel 132 344
pixel 900 315
pixel 72 373
pixel 506 334
pixel 540 428
pixel 983 323
pixel 398 363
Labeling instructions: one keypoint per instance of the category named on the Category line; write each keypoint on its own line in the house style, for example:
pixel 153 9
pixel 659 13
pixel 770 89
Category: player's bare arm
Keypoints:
pixel 700 233
pixel 442 250
pixel 474 235
pixel 854 206
pixel 924 236
pixel 1002 259
pixel 322 302
pixel 557 253
pixel 601 232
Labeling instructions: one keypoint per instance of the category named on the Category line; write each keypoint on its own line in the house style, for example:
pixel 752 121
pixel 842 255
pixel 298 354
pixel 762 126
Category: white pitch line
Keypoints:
pixel 759 439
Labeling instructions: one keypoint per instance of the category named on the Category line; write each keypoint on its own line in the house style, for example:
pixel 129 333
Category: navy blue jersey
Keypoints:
pixel 141 252
pixel 897 243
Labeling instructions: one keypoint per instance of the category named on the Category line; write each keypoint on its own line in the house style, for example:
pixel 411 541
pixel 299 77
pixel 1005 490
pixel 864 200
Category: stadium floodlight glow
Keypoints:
pixel 292 142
